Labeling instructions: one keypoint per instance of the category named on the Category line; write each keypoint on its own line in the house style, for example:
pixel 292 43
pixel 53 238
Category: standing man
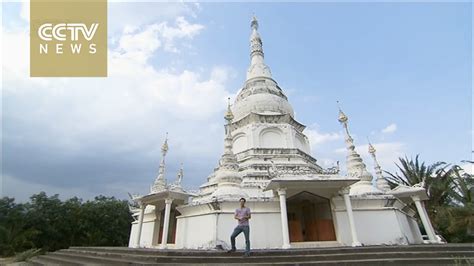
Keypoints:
pixel 242 215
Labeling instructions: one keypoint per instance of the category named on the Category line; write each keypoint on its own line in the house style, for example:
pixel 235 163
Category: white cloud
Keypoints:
pixel 132 78
pixel 66 120
pixel 123 14
pixel 322 145
pixel 15 55
pixel 134 14
pixel 390 128
pixel 317 138
pixel 140 44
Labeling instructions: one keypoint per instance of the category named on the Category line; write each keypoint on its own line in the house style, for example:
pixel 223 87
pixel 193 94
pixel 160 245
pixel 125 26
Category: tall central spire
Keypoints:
pixel 260 93
pixel 257 65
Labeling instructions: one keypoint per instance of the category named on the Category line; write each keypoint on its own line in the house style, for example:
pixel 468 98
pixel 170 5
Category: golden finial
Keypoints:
pixel 254 22
pixel 342 117
pixel 372 150
pixel 229 115
pixel 181 170
pixel 164 148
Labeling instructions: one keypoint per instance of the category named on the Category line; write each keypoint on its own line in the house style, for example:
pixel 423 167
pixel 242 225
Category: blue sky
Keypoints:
pixel 402 72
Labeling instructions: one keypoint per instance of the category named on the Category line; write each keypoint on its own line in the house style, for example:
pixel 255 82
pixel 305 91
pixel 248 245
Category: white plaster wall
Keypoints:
pixel 148 229
pixel 156 229
pixel 267 135
pixel 243 138
pixel 410 228
pixel 133 235
pixel 202 227
pixel 272 138
pixel 265 230
pixel 415 229
pixel 147 233
pixel 302 142
pixel 195 232
pixel 376 227
pixel 240 143
pixel 341 224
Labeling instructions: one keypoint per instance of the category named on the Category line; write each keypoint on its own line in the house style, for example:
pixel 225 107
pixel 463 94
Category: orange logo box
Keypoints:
pixel 68 38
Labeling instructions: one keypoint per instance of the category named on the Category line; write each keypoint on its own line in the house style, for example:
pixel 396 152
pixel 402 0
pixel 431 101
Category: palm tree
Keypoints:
pixel 412 172
pixel 441 185
pixel 436 178
pixel 462 192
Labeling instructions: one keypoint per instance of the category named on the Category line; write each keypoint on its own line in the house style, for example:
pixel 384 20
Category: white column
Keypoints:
pixel 347 201
pixel 425 219
pixel 284 218
pixel 140 225
pixel 166 223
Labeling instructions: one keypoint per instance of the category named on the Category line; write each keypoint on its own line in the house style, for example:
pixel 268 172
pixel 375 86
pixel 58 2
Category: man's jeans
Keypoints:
pixel 239 229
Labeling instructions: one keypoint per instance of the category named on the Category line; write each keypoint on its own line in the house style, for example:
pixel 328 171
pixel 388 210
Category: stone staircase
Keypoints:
pixel 448 254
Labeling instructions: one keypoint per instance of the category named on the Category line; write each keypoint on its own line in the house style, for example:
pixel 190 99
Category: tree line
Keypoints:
pixel 48 223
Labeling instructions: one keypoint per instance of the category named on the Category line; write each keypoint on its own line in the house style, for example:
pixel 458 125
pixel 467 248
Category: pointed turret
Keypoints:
pixel 381 182
pixel 227 174
pixel 354 163
pixel 160 181
pixel 177 184
pixel 228 158
pixel 257 68
pixel 179 178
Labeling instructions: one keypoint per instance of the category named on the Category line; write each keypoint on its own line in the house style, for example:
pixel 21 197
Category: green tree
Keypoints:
pixel 106 222
pixel 14 234
pixel 46 215
pixel 48 223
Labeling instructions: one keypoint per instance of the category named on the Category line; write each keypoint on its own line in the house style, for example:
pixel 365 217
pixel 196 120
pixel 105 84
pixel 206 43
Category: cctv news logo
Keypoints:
pixel 68 38
pixel 67 31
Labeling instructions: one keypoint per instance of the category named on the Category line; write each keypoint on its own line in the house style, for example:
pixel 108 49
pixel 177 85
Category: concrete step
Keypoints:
pixel 375 255
pixel 51 259
pixel 377 262
pixel 398 261
pixel 280 252
pixel 86 259
pixel 223 257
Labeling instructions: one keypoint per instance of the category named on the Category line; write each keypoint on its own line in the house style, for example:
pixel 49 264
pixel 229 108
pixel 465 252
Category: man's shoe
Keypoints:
pixel 247 254
pixel 231 250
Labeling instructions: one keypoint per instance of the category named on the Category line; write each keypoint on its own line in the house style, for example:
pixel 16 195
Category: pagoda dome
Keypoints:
pixel 262 96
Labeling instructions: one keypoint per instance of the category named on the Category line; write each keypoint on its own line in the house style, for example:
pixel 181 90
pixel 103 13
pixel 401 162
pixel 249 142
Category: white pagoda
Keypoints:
pixel 295 203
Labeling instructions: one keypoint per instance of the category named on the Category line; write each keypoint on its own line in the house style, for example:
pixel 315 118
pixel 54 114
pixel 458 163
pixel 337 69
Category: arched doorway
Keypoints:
pixel 310 218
